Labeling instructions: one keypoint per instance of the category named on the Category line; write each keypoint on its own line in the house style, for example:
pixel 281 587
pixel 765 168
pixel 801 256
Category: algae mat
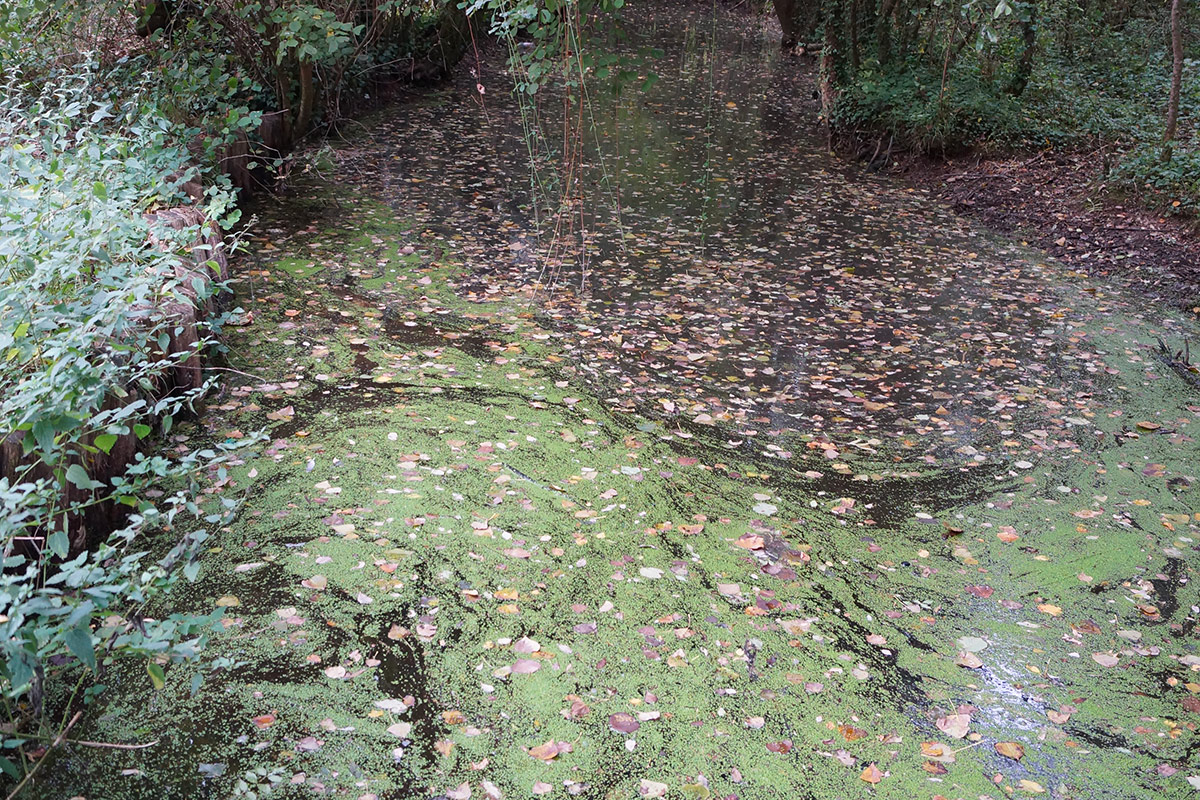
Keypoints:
pixel 793 485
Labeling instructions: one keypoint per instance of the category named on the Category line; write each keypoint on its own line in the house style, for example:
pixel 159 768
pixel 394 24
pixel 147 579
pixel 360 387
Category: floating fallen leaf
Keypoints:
pixel 972 644
pixel 969 660
pixel 937 751
pixel 622 722
pixel 749 541
pixel 955 725
pixel 526 645
pixel 649 788
pixel 549 750
pixel 308 744
pixel 871 774
pixel 1011 750
pixel 287 412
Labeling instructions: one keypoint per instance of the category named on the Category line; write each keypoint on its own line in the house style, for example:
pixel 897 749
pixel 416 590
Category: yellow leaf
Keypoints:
pixel 1011 750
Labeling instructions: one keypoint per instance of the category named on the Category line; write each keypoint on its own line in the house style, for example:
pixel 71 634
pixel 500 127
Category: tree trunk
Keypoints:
pixel 1024 69
pixel 152 16
pixel 798 19
pixel 854 54
pixel 1176 72
pixel 308 96
pixel 883 31
pixel 785 10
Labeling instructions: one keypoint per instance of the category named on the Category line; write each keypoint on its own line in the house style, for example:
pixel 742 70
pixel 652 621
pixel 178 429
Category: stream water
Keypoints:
pixel 748 476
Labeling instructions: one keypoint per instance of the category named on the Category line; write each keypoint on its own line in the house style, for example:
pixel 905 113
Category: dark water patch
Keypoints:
pixel 413 334
pixel 260 590
pixel 1166 588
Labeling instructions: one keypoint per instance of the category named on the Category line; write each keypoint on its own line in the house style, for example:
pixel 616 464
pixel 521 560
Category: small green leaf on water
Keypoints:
pixel 157 676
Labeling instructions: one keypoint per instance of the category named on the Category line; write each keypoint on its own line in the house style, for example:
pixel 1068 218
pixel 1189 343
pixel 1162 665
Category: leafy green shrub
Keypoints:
pixel 914 106
pixel 1172 185
pixel 85 323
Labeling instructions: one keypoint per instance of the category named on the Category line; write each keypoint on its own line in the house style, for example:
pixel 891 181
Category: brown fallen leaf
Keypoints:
pixel 851 733
pixel 623 722
pixel 871 774
pixel 969 660
pixel 749 541
pixel 936 751
pixel 287 412
pixel 1011 750
pixel 264 721
pixel 549 750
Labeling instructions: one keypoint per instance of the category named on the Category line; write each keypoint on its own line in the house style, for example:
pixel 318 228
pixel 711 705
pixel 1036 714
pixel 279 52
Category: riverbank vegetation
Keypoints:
pixel 127 135
pixel 930 77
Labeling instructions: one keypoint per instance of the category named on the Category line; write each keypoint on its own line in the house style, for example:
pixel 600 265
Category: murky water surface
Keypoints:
pixel 745 476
